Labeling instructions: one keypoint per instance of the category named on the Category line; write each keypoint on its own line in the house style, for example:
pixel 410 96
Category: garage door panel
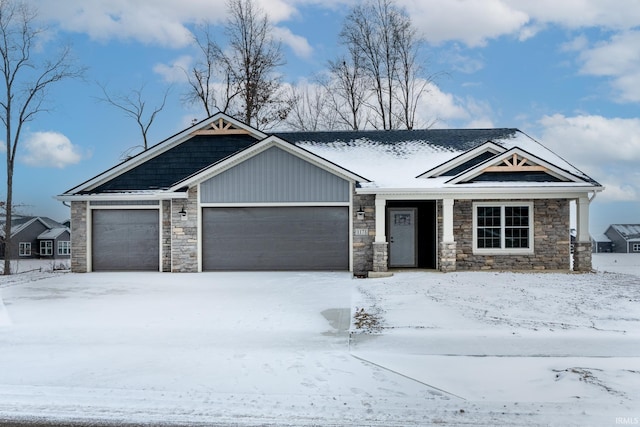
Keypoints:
pixel 291 238
pixel 125 240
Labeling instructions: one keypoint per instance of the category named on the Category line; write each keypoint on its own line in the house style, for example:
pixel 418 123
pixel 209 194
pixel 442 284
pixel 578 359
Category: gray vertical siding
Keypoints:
pixel 275 176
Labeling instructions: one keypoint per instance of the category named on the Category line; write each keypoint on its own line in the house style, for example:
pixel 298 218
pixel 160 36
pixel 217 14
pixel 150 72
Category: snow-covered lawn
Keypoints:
pixel 274 348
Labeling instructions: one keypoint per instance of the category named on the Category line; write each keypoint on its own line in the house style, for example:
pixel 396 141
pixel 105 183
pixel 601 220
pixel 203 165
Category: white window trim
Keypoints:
pixel 46 244
pixel 25 245
pixel 635 247
pixel 502 250
pixel 61 243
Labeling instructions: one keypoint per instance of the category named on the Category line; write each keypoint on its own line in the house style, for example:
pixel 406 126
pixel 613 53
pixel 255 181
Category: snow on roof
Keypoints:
pixel 397 164
pixel 600 238
pixel 52 234
pixel 628 231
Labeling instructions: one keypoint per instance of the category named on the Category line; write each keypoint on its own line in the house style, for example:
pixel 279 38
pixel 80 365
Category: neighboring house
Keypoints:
pixel 221 195
pixel 37 237
pixel 625 238
pixel 600 244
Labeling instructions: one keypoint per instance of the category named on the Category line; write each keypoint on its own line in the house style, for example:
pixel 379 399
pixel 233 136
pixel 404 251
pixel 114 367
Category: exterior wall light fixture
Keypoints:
pixel 360 214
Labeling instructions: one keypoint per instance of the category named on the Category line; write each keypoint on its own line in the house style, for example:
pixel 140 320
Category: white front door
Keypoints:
pixel 402 237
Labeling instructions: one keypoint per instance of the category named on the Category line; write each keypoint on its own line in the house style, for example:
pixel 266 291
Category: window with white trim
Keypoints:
pixel 502 228
pixel 46 247
pixel 64 247
pixel 636 247
pixel 24 249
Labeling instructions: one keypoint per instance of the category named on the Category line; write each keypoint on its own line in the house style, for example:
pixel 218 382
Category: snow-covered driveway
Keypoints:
pixel 273 349
pixel 223 347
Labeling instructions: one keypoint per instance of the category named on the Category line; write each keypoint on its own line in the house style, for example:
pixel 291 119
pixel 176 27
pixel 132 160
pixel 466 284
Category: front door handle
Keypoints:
pixel 391 239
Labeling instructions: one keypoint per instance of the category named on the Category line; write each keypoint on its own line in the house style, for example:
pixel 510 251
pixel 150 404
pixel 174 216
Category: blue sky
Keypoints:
pixel 565 72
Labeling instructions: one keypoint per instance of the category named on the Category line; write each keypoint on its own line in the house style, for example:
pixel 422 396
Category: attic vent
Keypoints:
pixel 516 163
pixel 221 127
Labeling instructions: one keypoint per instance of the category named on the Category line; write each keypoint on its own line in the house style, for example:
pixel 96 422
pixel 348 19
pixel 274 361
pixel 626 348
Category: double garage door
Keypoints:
pixel 270 238
pixel 275 238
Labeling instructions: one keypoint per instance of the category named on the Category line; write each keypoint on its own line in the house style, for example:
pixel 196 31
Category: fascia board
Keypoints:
pixel 165 195
pixel 461 158
pixel 478 169
pixel 511 192
pixel 158 149
pixel 271 141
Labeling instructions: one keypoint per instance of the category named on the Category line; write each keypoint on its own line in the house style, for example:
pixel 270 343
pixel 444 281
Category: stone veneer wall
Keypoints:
pixel 165 215
pixel 79 237
pixel 582 260
pixel 184 233
pixel 362 244
pixel 551 239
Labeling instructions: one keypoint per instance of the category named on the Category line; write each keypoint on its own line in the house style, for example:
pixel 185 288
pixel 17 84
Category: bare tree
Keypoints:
pixel 382 38
pixel 205 75
pixel 25 84
pixel 246 68
pixel 309 108
pixel 134 105
pixel 347 88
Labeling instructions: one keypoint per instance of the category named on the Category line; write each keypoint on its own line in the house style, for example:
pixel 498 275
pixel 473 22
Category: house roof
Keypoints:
pixel 19 223
pixel 399 159
pixel 627 231
pixel 394 159
pixel 54 233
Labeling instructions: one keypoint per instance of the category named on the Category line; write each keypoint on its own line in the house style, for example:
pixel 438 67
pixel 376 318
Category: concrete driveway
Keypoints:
pixel 190 348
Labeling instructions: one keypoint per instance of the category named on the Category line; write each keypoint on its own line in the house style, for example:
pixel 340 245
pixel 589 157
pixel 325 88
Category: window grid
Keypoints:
pixel 636 247
pixel 24 249
pixel 64 247
pixel 503 227
pixel 46 248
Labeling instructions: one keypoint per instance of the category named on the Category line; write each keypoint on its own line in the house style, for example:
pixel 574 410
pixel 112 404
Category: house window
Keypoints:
pixel 502 228
pixel 24 249
pixel 636 247
pixel 46 248
pixel 64 247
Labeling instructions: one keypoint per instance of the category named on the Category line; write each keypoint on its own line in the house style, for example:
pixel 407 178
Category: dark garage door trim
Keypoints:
pixel 125 239
pixel 275 238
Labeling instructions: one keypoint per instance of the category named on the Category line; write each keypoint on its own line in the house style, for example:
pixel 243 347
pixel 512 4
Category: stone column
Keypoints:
pixel 79 236
pixel 582 247
pixel 380 256
pixel 184 234
pixel 448 244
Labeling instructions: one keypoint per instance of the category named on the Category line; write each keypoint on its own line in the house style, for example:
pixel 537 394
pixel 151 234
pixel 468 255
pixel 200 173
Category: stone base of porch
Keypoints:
pixel 380 256
pixel 447 256
pixel 582 257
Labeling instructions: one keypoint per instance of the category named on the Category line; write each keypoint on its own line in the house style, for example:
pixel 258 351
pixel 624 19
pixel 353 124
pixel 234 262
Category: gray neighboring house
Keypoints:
pixel 222 195
pixel 601 244
pixel 625 238
pixel 37 237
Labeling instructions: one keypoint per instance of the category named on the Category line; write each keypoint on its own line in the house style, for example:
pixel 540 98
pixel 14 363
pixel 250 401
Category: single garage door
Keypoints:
pixel 276 238
pixel 125 240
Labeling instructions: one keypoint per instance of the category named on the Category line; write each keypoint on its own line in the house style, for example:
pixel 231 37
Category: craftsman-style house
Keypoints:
pixel 221 195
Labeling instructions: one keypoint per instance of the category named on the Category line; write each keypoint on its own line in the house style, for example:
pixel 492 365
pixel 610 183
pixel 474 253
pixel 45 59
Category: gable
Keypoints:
pixel 465 161
pixel 275 176
pixel 515 165
pixel 181 161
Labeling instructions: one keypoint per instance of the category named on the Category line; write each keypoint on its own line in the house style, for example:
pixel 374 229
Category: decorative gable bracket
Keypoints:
pixel 516 163
pixel 221 127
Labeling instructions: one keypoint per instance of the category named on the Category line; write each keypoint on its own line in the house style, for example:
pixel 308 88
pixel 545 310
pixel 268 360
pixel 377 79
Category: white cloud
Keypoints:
pixel 49 149
pixel 298 44
pixel 619 59
pixel 607 149
pixel 175 72
pixel 472 22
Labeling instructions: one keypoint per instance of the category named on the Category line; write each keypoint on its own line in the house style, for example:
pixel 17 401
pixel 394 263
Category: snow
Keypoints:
pixel 276 348
pixel 398 165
